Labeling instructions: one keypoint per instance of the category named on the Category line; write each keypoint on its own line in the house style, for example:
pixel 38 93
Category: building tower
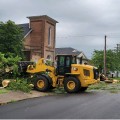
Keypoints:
pixel 40 38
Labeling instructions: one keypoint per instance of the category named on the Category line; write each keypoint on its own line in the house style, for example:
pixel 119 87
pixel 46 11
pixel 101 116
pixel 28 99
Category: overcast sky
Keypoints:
pixel 82 23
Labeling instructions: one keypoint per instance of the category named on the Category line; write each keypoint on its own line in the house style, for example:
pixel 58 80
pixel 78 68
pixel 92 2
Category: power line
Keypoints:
pixel 70 36
pixel 75 36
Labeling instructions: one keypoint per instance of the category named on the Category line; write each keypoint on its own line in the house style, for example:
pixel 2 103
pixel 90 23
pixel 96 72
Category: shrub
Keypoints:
pixel 8 65
pixel 20 84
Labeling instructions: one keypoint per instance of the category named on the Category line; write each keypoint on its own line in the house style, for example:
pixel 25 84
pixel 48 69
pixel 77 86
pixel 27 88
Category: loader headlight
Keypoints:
pixel 31 76
pixel 75 69
pixel 30 67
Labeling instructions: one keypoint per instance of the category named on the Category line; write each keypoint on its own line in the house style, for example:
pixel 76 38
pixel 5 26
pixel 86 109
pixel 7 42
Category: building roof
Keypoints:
pixel 25 28
pixel 67 51
pixel 43 17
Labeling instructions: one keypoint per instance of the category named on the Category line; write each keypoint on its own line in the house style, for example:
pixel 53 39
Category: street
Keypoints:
pixel 89 105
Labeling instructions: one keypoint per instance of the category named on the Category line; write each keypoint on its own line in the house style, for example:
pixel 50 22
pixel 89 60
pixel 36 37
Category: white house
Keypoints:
pixel 81 58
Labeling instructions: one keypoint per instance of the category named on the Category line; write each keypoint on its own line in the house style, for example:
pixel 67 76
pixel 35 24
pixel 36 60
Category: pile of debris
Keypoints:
pixel 108 80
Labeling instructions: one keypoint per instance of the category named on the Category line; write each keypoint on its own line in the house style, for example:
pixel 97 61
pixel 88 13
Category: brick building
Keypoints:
pixel 39 38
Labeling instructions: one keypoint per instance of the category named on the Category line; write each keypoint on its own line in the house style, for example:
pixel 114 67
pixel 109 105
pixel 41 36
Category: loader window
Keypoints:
pixel 86 72
pixel 64 64
pixel 67 61
pixel 62 59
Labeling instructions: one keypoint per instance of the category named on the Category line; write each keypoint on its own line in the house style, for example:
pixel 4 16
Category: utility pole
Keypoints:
pixel 118 47
pixel 105 57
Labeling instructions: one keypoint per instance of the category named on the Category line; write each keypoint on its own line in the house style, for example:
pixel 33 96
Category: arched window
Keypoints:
pixel 49 36
pixel 48 57
pixel 49 60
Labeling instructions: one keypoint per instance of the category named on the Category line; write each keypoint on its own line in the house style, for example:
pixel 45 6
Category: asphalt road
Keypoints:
pixel 91 105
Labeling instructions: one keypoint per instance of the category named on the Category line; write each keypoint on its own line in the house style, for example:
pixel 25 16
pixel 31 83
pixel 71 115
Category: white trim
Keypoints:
pixel 82 55
pixel 27 34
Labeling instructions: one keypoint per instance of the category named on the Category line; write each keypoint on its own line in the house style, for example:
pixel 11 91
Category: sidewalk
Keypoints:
pixel 12 96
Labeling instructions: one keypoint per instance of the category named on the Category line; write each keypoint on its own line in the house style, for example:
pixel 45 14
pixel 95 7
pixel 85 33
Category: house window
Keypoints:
pixel 49 36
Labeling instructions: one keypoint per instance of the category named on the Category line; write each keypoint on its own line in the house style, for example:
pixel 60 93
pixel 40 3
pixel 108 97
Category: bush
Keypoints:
pixel 20 84
pixel 8 65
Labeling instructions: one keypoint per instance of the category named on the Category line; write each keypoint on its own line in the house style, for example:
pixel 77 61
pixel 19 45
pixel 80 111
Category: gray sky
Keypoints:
pixel 82 23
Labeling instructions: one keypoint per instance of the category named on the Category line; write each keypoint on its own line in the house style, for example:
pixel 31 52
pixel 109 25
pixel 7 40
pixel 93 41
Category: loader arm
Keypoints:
pixel 40 67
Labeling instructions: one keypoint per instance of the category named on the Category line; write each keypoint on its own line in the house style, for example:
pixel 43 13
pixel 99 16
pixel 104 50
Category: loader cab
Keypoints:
pixel 64 63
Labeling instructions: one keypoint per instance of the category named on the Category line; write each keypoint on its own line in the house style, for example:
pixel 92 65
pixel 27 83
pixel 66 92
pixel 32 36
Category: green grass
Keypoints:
pixel 12 101
pixel 98 86
pixel 102 86
pixel 59 90
pixel 113 88
pixel 117 78
pixel 2 91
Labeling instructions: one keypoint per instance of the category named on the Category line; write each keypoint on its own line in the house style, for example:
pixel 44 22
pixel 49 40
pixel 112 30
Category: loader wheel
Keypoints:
pixel 82 89
pixel 72 85
pixel 51 87
pixel 41 84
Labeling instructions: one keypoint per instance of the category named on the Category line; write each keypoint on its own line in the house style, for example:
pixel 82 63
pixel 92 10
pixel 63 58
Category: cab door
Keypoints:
pixel 63 64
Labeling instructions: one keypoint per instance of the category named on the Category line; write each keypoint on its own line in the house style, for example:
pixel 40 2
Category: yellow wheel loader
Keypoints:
pixel 73 77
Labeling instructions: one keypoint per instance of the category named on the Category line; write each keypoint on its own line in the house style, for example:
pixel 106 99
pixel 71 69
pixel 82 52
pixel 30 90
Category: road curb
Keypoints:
pixel 14 96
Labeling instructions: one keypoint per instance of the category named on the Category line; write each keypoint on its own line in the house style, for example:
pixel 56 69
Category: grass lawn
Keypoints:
pixel 102 86
pixel 111 87
pixel 117 78
pixel 2 91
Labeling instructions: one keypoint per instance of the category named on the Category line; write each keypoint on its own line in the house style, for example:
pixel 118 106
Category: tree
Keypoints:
pixel 11 36
pixel 8 67
pixel 117 60
pixel 111 60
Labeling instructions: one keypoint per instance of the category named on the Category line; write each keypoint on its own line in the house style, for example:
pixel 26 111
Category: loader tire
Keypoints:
pixel 83 89
pixel 51 87
pixel 71 85
pixel 41 84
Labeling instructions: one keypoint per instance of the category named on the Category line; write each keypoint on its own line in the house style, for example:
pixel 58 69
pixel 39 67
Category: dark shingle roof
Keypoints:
pixel 66 51
pixel 25 28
